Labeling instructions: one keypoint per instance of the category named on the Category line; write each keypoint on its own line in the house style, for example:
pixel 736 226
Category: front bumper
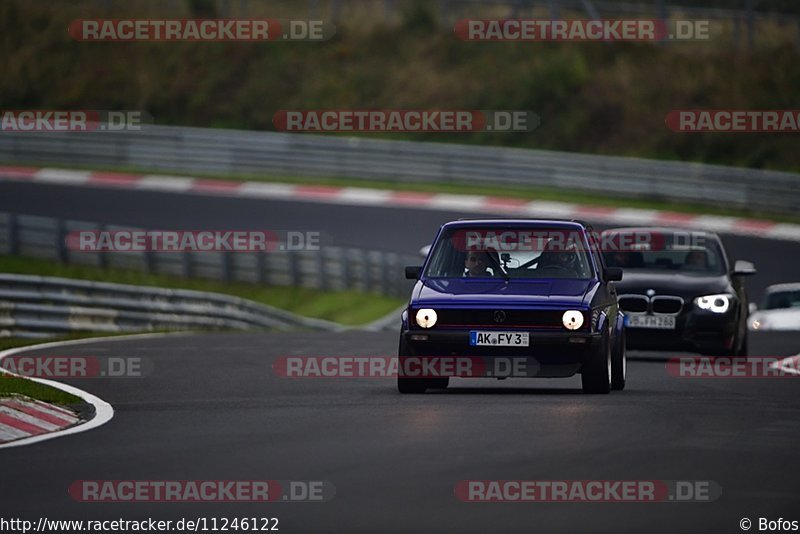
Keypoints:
pixel 550 354
pixel 696 331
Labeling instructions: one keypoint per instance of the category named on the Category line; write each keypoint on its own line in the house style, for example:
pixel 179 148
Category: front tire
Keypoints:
pixel 415 385
pixel 411 385
pixel 596 372
pixel 619 364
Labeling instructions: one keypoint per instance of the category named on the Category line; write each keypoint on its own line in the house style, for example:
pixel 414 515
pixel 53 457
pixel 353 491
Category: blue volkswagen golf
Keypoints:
pixel 513 297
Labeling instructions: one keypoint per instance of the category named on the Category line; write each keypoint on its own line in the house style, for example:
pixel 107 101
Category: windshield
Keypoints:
pixel 522 253
pixel 782 299
pixel 670 253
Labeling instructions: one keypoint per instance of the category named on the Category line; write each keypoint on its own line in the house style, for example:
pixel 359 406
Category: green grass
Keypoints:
pixel 10 385
pixel 344 307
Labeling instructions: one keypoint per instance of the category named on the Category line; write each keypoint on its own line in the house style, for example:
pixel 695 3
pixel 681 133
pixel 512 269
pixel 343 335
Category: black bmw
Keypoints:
pixel 680 291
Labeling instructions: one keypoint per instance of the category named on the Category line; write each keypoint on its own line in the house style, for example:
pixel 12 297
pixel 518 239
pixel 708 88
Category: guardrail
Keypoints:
pixel 30 304
pixel 330 268
pixel 216 151
pixel 37 306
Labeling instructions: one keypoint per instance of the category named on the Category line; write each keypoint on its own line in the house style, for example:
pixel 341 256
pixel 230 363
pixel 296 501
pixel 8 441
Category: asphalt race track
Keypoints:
pixel 213 408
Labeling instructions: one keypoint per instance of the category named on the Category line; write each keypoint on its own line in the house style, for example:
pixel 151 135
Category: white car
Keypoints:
pixel 780 309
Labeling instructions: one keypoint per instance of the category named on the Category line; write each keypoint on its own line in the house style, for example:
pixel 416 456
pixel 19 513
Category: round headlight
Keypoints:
pixel 572 319
pixel 714 303
pixel 426 317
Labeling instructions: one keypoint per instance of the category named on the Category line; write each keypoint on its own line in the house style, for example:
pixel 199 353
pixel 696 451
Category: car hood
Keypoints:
pixel 682 285
pixel 781 319
pixel 466 291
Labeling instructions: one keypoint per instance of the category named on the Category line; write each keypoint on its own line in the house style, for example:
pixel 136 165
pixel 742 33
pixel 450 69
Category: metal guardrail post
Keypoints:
pixel 322 270
pixel 187 264
pixel 227 265
pixel 13 234
pixel 385 266
pixel 103 254
pixel 61 241
pixel 295 277
pixel 347 278
pixel 261 275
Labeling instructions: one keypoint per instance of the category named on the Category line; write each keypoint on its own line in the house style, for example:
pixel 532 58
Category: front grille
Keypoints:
pixel 658 305
pixel 633 303
pixel 666 304
pixel 486 317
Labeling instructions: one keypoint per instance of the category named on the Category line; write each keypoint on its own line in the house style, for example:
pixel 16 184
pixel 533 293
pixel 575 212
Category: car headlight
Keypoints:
pixel 572 319
pixel 714 303
pixel 426 317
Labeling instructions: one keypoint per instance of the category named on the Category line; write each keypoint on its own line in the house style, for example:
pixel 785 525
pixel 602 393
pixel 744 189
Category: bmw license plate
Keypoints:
pixel 478 338
pixel 651 321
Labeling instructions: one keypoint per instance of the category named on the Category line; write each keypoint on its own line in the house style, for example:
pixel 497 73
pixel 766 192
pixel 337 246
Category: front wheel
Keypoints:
pixel 415 385
pixel 619 364
pixel 411 385
pixel 596 372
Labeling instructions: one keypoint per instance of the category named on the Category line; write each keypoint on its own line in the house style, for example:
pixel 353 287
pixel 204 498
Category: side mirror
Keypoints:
pixel 743 268
pixel 752 308
pixel 613 274
pixel 424 251
pixel 412 273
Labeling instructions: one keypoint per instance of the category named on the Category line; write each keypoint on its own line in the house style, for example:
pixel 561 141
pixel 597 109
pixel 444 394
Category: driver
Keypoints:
pixel 477 264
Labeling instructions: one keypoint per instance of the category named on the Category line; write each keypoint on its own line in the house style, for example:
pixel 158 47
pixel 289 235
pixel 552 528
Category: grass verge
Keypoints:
pixel 345 307
pixel 13 385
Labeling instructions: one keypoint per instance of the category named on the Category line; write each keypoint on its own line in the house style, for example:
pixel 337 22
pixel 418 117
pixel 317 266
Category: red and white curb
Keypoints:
pixel 21 417
pixel 360 196
pixel 789 365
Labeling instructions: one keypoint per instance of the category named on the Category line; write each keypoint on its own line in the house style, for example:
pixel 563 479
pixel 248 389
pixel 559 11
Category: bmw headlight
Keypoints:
pixel 715 303
pixel 426 317
pixel 572 319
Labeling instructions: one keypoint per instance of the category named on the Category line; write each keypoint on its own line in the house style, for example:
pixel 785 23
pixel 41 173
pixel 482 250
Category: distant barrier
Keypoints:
pixel 215 151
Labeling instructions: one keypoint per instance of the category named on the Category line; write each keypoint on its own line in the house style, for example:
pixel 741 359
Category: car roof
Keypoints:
pixel 664 229
pixel 792 286
pixel 499 221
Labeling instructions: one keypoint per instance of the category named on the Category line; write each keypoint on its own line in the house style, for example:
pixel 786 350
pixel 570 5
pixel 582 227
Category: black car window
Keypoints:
pixel 525 253
pixel 669 253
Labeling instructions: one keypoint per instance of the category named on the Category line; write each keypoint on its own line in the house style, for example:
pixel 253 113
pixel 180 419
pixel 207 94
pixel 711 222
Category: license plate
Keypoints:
pixel 651 321
pixel 479 338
